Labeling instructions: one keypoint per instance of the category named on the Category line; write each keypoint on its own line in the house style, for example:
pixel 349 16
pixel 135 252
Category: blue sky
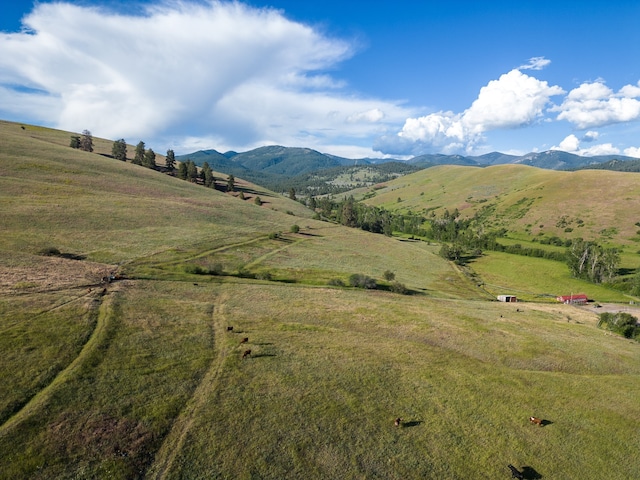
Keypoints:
pixel 376 78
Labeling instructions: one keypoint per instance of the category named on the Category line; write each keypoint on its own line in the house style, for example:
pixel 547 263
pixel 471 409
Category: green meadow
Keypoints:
pixel 141 378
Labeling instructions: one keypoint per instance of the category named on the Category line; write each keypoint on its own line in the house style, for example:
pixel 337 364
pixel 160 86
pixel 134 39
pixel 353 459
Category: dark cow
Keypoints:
pixel 244 340
pixel 229 329
pixel 536 421
pixel 515 473
pixel 246 354
pixel 397 422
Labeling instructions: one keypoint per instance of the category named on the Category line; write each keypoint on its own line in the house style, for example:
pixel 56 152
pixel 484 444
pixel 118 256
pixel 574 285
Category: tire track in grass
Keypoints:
pixel 101 334
pixel 175 439
pixel 273 252
pixel 206 253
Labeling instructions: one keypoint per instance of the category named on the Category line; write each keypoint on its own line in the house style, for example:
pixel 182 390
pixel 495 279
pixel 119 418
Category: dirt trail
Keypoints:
pixel 99 334
pixel 175 439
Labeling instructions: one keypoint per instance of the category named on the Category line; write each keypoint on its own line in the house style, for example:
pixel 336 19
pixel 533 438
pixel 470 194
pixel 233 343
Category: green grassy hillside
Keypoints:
pixel 592 204
pixel 141 378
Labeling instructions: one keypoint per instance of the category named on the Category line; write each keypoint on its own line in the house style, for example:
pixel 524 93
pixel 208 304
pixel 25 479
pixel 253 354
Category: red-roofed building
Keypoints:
pixel 573 299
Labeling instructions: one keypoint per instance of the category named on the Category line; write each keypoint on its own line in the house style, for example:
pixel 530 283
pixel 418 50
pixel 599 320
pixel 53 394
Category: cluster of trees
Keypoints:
pixel 188 170
pixel 590 261
pixel 83 142
pixel 586 260
pixel 370 218
pixel 144 157
pixel 463 237
pixel 622 323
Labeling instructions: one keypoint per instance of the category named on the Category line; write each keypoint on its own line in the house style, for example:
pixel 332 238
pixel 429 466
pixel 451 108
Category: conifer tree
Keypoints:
pixel 149 159
pixel 139 157
pixel 170 162
pixel 182 171
pixel 192 171
pixel 119 150
pixel 207 175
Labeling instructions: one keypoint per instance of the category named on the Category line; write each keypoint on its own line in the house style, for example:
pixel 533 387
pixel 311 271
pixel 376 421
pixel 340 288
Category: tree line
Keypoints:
pixel 462 238
pixel 146 157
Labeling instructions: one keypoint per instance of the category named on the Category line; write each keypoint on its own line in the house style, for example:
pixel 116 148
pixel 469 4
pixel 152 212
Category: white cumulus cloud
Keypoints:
pixel 184 71
pixel 590 136
pixel 595 105
pixel 572 144
pixel 632 152
pixel 513 100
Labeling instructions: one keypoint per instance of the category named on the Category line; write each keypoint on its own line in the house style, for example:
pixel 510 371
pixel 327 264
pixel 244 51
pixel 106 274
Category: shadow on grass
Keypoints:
pixel 529 473
pixel 259 355
pixel 251 191
pixel 544 423
pixel 412 423
pixel 401 291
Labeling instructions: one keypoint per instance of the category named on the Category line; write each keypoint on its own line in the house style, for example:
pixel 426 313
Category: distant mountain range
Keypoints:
pixel 291 161
pixel 274 166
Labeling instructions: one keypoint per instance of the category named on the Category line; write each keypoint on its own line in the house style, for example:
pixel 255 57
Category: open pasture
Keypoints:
pixel 141 378
pixel 163 391
pixel 536 279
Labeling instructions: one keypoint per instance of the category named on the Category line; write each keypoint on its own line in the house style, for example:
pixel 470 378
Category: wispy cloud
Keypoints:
pixel 187 71
pixel 535 63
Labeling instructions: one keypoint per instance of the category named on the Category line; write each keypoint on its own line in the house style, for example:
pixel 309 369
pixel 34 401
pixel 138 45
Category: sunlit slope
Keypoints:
pixel 91 205
pixel 586 203
pixel 141 378
pixel 96 208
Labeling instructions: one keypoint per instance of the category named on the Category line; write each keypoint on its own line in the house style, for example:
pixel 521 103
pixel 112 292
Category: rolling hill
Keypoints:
pixel 591 204
pixel 118 285
pixel 310 172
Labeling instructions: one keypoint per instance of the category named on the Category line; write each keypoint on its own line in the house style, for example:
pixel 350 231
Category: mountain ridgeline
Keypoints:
pixel 309 171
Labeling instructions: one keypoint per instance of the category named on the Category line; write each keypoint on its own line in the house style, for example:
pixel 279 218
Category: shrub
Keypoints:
pixel 362 281
pixel 336 282
pixel 624 324
pixel 274 235
pixel 194 269
pixel 216 269
pixel 397 287
pixel 49 252
pixel 295 228
pixel 264 276
pixel 389 275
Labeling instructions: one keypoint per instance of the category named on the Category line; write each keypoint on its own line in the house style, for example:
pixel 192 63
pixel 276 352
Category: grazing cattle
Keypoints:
pixel 535 420
pixel 229 329
pixel 398 422
pixel 244 340
pixel 515 473
pixel 246 354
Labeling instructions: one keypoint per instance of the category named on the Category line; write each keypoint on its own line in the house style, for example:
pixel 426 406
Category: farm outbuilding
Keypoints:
pixel 507 298
pixel 573 299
